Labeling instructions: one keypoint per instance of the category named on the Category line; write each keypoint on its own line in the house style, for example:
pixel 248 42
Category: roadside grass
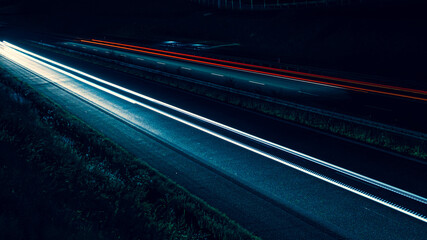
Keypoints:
pixel 394 142
pixel 84 186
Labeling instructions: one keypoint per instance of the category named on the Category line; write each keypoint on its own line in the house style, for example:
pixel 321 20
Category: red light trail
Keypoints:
pixel 221 63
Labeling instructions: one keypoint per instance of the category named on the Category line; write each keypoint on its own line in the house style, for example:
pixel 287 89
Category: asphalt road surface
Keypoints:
pixel 228 170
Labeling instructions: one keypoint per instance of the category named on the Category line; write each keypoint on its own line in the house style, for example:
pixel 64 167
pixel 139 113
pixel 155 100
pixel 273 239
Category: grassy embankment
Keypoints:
pixel 379 138
pixel 62 179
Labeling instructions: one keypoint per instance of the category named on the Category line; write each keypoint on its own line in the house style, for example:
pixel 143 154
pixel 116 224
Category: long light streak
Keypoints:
pixel 236 131
pixel 43 61
pixel 270 68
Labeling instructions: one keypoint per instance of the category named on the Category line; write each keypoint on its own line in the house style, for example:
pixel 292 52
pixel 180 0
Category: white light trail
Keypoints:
pixel 247 135
pixel 19 51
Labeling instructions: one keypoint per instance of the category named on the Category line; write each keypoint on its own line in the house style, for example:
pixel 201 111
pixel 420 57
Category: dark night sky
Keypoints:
pixel 368 39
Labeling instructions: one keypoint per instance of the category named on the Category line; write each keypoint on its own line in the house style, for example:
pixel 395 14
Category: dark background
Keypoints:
pixel 386 38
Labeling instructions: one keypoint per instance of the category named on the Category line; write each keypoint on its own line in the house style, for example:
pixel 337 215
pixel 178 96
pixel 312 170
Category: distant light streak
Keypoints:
pixel 382 86
pixel 17 53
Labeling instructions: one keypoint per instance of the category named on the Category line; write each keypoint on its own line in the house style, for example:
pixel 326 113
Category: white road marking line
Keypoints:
pixel 306 93
pixel 216 74
pixel 257 83
pixel 141 59
pixel 162 63
pixel 224 45
pixel 186 68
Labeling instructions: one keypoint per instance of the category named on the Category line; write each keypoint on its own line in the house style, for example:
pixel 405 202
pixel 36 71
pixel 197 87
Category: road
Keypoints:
pixel 281 74
pixel 394 105
pixel 313 201
pixel 406 175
